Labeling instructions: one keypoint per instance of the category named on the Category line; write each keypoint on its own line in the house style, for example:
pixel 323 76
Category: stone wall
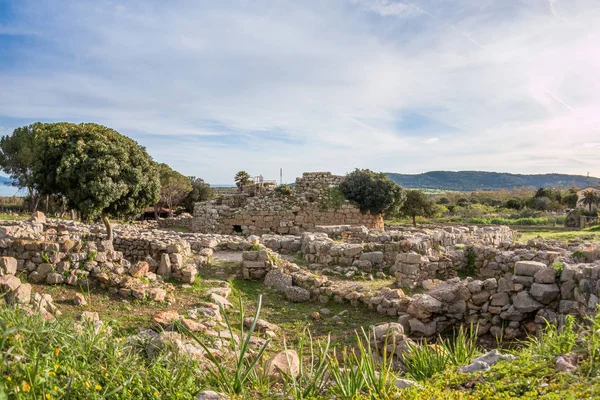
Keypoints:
pixel 312 180
pixel 307 206
pixel 184 222
pixel 271 215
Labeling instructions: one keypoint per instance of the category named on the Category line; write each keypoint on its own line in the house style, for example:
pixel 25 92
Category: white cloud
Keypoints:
pixel 330 80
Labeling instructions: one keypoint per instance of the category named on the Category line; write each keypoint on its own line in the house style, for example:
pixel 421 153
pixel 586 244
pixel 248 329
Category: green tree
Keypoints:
pixel 201 191
pixel 570 200
pixel 242 179
pixel 373 192
pixel 417 204
pixel 100 172
pixel 174 187
pixel 17 157
pixel 590 198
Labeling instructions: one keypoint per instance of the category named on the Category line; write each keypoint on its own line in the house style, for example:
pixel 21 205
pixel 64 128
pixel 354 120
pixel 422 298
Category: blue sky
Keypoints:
pixel 213 87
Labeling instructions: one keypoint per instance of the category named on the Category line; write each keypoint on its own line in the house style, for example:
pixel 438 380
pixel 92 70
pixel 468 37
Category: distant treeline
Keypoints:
pixel 480 180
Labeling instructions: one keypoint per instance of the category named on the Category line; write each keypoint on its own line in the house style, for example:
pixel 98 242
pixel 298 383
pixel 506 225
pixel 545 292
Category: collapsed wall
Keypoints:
pixel 309 204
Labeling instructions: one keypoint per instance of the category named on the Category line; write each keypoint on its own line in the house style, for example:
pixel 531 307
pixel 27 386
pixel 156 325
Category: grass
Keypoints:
pixel 13 217
pixel 53 360
pixel 588 234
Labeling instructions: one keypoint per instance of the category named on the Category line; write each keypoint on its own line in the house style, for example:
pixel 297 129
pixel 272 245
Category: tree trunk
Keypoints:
pixel 414 220
pixel 47 203
pixel 156 216
pixel 109 231
pixel 32 202
pixel 170 205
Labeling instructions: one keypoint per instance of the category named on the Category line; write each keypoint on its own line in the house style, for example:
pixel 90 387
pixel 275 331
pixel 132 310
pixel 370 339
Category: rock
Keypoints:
pixel 528 268
pixel 166 318
pixel 79 300
pixel 278 280
pixel 545 275
pixel 524 303
pixel 157 294
pixel 544 293
pixel 286 362
pixel 297 294
pixel 192 325
pixel 568 307
pixel 8 266
pixel 421 328
pixel 54 278
pixel 563 365
pixel 210 395
pixel 423 305
pixel 474 367
pixel 21 295
pixel 164 269
pixel 375 257
pixel 492 357
pixel 217 299
pixel 261 325
pixel 140 269
pixel 389 329
pixel 404 383
pixel 315 316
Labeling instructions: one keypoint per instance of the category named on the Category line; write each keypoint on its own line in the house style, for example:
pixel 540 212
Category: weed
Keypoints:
pixel 254 247
pixel 558 266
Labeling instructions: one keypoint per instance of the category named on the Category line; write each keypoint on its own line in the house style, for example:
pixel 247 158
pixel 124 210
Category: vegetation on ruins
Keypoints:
pixel 174 187
pixel 201 191
pixel 373 192
pixel 17 158
pixel 416 204
pixel 100 172
pixel 242 178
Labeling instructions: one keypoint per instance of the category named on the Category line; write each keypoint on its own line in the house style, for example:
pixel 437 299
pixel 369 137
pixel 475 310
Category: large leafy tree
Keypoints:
pixel 100 172
pixel 417 204
pixel 173 187
pixel 373 192
pixel 242 179
pixel 201 191
pixel 17 157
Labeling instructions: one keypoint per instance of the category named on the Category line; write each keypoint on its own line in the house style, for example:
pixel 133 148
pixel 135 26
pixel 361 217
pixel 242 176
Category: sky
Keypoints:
pixel 214 87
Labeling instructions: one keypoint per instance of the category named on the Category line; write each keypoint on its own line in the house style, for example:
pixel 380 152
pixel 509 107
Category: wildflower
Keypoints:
pixel 8 378
pixel 97 387
pixel 48 396
pixel 55 388
pixel 57 351
pixel 55 366
pixel 26 387
pixel 9 323
pixel 87 384
pixel 156 394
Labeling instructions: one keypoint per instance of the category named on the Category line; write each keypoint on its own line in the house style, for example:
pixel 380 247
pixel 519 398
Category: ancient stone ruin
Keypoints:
pixel 310 203
pixel 432 279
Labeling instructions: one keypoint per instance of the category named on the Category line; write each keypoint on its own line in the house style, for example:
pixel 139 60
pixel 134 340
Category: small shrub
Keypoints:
pixel 421 362
pixel 558 266
pixel 283 190
pixel 578 255
pixel 254 247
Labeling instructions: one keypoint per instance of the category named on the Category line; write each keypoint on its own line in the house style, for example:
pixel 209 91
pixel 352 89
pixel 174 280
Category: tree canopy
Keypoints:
pixel 17 157
pixel 98 170
pixel 201 191
pixel 417 203
pixel 372 192
pixel 174 187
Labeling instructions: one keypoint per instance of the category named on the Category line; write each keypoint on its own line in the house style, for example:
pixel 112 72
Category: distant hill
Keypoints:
pixel 480 180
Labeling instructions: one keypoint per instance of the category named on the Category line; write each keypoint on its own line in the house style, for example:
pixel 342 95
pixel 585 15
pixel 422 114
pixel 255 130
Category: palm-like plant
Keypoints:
pixel 242 178
pixel 590 198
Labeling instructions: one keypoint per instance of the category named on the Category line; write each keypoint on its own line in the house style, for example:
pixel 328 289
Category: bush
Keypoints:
pixel 373 192
pixel 283 190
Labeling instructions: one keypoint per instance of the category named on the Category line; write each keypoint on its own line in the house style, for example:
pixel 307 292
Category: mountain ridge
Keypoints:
pixel 485 180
